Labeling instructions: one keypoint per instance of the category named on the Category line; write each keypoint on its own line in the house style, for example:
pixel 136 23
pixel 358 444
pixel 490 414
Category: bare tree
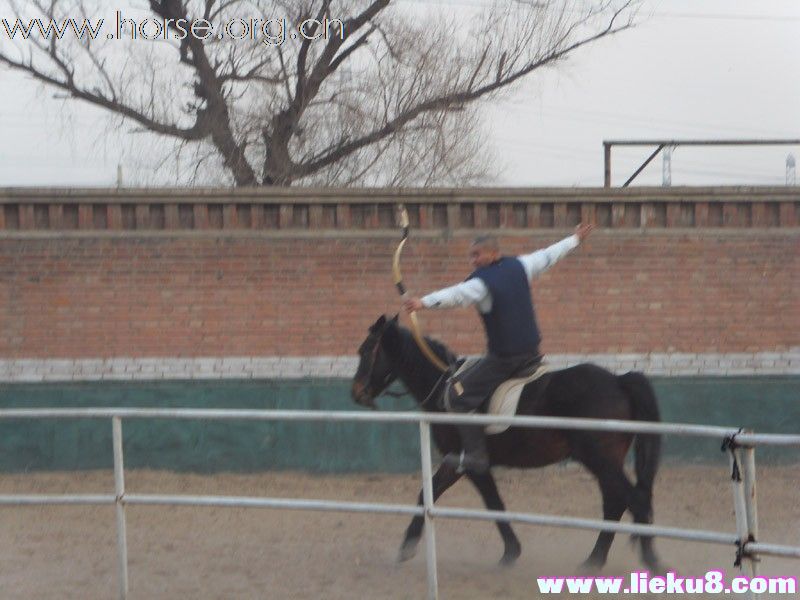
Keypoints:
pixel 385 93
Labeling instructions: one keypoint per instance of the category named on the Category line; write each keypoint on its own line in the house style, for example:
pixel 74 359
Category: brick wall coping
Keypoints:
pixel 394 234
pixel 324 209
pixel 298 367
pixel 296 195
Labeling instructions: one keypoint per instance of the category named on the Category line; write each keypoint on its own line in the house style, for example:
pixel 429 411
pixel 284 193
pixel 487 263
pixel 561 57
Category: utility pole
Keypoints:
pixel 790 170
pixel 666 167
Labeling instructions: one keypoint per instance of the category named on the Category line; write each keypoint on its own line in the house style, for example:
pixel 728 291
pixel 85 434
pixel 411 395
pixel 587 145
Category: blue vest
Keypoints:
pixel 511 324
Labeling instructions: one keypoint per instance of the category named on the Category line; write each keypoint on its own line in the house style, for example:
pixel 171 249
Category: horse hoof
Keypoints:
pixel 408 550
pixel 590 566
pixel 657 568
pixel 509 558
pixel 511 554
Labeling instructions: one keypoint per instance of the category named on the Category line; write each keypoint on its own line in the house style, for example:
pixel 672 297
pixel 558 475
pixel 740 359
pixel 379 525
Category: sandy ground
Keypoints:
pixel 213 553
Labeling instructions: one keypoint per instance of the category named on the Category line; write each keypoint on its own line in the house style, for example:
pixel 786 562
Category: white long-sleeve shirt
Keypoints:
pixel 474 291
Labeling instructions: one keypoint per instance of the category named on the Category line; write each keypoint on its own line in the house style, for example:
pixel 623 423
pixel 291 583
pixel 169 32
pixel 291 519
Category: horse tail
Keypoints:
pixel 647 446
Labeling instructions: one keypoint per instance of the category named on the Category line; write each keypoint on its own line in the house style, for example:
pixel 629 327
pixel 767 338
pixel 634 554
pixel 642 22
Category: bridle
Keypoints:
pixel 374 356
pixel 386 380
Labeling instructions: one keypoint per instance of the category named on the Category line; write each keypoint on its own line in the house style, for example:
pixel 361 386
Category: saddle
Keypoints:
pixel 503 402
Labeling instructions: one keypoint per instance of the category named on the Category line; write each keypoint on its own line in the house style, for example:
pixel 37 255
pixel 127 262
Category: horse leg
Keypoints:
pixel 616 490
pixel 487 487
pixel 641 506
pixel 444 477
pixel 620 494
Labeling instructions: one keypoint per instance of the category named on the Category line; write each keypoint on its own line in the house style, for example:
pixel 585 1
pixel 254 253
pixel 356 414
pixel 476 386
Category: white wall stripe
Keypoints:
pixel 299 367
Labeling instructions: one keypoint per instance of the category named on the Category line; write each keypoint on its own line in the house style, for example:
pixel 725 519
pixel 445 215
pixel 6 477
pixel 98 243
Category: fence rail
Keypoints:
pixel 741 445
pixel 398 417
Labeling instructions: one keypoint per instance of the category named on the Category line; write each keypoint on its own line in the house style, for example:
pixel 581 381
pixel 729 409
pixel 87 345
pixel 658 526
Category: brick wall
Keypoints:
pixel 637 286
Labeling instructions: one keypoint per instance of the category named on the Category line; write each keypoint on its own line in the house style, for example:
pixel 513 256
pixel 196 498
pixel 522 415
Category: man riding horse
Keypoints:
pixel 499 287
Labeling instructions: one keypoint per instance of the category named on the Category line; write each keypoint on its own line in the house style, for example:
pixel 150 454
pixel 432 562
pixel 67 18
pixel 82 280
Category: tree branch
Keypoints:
pixel 195 132
pixel 443 102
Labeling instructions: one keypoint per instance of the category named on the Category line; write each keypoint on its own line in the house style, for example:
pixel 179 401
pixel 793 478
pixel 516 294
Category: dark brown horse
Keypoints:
pixel 389 352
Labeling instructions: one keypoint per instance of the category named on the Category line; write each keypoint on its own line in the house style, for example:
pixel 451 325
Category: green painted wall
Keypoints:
pixel 766 404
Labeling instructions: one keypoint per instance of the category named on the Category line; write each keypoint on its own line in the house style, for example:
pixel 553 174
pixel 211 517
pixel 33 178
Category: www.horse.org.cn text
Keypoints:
pixel 271 32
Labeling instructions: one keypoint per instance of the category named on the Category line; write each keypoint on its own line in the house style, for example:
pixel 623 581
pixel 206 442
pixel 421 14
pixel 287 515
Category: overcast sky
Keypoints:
pixel 692 69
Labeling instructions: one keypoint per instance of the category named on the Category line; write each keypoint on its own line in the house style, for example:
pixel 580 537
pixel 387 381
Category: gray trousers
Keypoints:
pixel 481 379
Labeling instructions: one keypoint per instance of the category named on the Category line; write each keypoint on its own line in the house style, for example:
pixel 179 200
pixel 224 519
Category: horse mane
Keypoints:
pixel 409 344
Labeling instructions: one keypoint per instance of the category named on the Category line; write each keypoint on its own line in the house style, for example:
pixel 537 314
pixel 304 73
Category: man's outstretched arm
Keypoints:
pixel 538 262
pixel 465 293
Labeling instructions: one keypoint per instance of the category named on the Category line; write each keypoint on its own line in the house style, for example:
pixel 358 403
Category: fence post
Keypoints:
pixel 427 500
pixel 749 464
pixel 740 508
pixel 119 491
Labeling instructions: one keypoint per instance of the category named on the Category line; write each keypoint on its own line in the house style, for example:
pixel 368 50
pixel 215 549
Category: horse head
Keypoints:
pixel 375 372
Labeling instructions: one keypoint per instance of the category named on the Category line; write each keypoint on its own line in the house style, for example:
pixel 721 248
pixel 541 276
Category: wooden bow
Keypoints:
pixel 398 281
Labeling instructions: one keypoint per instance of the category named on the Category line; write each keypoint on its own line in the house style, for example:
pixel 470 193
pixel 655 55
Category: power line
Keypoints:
pixel 586 156
pixel 724 17
pixel 668 15
pixel 595 115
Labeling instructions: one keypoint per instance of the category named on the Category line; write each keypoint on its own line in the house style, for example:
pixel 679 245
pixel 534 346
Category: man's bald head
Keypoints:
pixel 485 250
pixel 487 240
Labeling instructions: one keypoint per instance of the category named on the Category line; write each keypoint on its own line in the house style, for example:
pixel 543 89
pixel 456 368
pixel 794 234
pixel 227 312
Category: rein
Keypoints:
pixel 431 395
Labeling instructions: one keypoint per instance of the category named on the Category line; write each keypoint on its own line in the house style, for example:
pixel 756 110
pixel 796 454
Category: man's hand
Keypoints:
pixel 583 230
pixel 412 304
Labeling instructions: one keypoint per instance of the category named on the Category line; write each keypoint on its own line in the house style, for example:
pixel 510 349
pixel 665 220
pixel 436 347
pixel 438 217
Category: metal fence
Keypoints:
pixel 740 443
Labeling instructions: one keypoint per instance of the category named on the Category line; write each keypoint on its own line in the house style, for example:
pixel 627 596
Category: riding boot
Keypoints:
pixel 473 456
